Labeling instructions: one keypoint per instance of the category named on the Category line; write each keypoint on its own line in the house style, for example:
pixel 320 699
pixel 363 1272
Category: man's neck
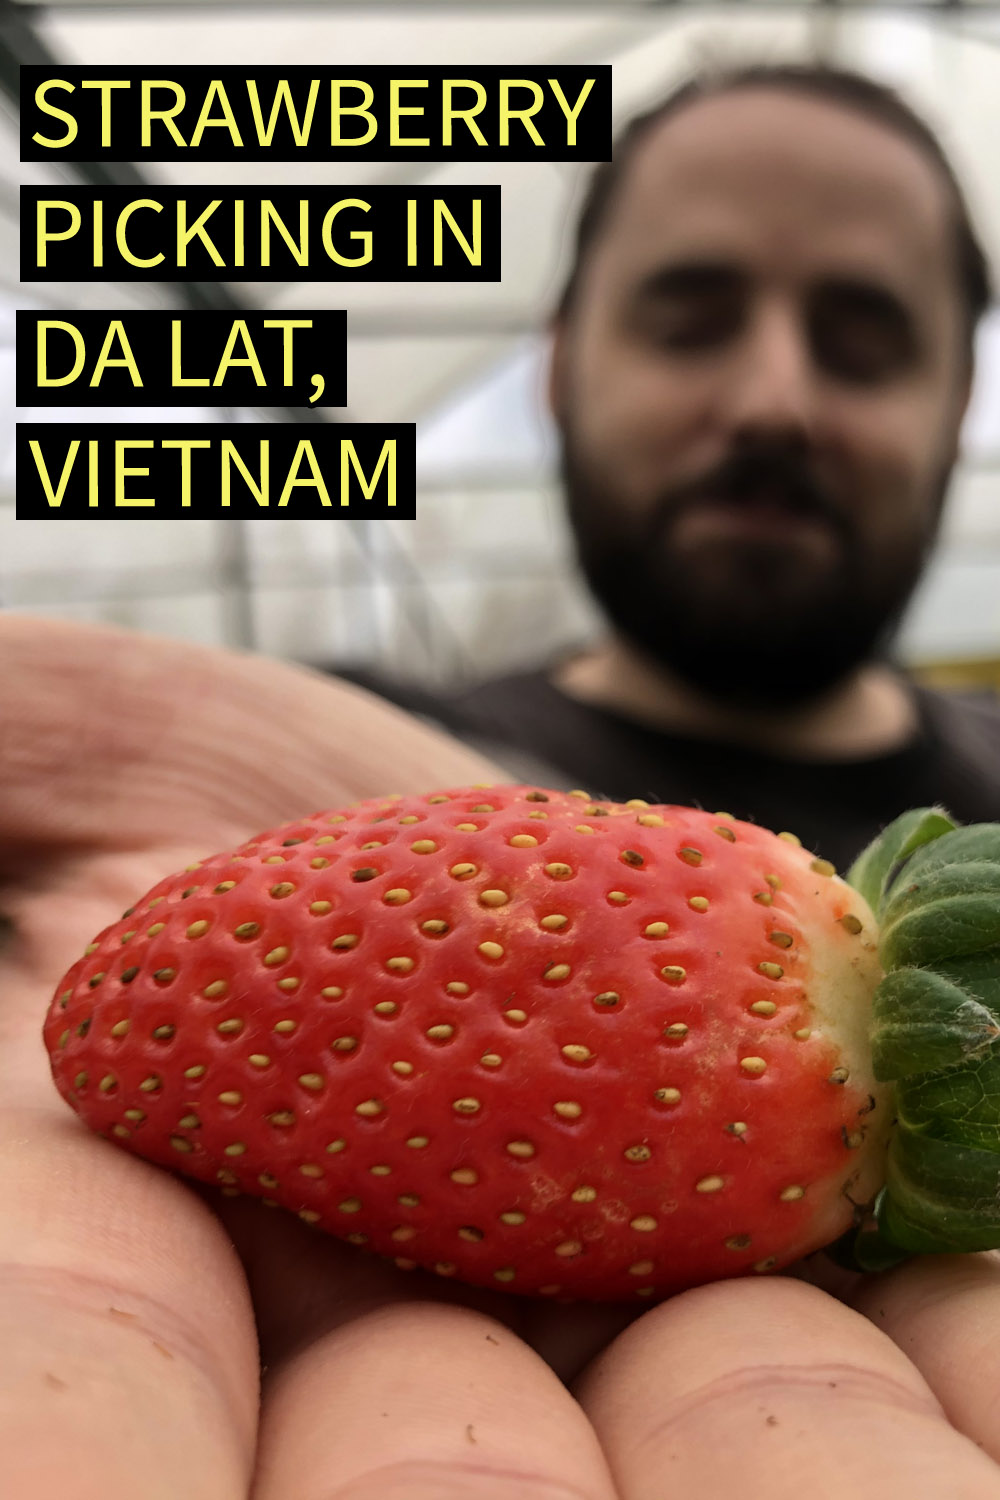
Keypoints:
pixel 870 713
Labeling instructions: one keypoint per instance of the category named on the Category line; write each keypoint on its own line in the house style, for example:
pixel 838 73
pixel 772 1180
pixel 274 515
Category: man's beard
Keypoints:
pixel 755 626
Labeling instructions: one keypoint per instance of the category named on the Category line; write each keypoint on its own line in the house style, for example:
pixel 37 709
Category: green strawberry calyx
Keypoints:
pixel 934 888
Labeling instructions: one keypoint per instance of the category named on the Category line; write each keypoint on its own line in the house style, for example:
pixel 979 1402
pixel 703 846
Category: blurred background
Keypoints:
pixel 482 580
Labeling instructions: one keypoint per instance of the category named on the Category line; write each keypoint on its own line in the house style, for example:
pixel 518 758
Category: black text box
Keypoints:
pixel 386 233
pixel 205 358
pixel 316 469
pixel 315 114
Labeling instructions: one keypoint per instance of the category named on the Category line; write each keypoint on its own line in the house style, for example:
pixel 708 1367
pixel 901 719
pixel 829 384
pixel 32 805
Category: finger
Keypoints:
pixel 944 1313
pixel 772 1389
pixel 129 1365
pixel 382 1384
pixel 113 739
pixel 424 1401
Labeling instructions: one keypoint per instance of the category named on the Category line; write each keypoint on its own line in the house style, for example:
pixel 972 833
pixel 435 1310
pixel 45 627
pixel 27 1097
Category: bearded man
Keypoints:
pixel 760 365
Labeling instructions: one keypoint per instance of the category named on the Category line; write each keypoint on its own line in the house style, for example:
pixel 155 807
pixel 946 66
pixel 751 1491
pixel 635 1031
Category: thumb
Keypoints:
pixel 110 739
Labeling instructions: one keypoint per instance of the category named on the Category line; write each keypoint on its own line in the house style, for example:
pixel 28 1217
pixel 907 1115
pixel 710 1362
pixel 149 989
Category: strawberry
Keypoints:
pixel 534 1042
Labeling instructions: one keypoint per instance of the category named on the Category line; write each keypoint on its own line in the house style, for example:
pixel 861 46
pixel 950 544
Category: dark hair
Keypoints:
pixel 821 81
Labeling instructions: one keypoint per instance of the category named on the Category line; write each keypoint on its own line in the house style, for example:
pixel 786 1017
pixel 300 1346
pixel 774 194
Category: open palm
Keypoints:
pixel 162 1340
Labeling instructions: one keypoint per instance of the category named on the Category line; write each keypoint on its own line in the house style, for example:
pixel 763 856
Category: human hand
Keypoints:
pixel 130 1356
pixel 128 1374
pixel 773 1388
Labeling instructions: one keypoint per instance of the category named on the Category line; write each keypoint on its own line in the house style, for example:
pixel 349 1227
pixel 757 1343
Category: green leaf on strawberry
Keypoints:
pixel 936 1036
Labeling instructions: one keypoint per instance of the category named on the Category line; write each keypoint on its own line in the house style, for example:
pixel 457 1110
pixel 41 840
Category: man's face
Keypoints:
pixel 759 388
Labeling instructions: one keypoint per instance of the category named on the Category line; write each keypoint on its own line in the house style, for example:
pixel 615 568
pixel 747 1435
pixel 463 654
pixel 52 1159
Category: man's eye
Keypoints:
pixel 693 327
pixel 860 353
pixel 861 344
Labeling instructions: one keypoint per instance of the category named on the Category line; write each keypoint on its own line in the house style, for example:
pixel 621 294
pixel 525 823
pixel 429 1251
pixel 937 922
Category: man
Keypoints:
pixel 760 366
pixel 160 1341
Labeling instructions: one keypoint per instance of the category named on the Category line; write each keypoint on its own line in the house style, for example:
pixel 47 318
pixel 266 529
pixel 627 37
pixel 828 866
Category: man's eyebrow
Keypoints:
pixel 690 278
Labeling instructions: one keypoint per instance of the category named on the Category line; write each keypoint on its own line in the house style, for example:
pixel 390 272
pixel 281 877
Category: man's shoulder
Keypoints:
pixel 520 720
pixel 478 703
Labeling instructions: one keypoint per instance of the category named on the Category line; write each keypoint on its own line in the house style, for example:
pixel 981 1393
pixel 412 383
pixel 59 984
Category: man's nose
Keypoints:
pixel 773 392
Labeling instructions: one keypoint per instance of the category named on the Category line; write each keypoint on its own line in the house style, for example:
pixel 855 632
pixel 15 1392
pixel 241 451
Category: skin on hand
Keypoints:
pixel 136 1310
pixel 772 1388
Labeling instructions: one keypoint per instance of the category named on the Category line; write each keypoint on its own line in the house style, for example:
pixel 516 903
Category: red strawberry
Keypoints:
pixel 513 1036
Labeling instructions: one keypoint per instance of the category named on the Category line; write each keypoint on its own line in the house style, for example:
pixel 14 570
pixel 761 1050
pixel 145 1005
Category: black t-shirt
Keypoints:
pixel 537 733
